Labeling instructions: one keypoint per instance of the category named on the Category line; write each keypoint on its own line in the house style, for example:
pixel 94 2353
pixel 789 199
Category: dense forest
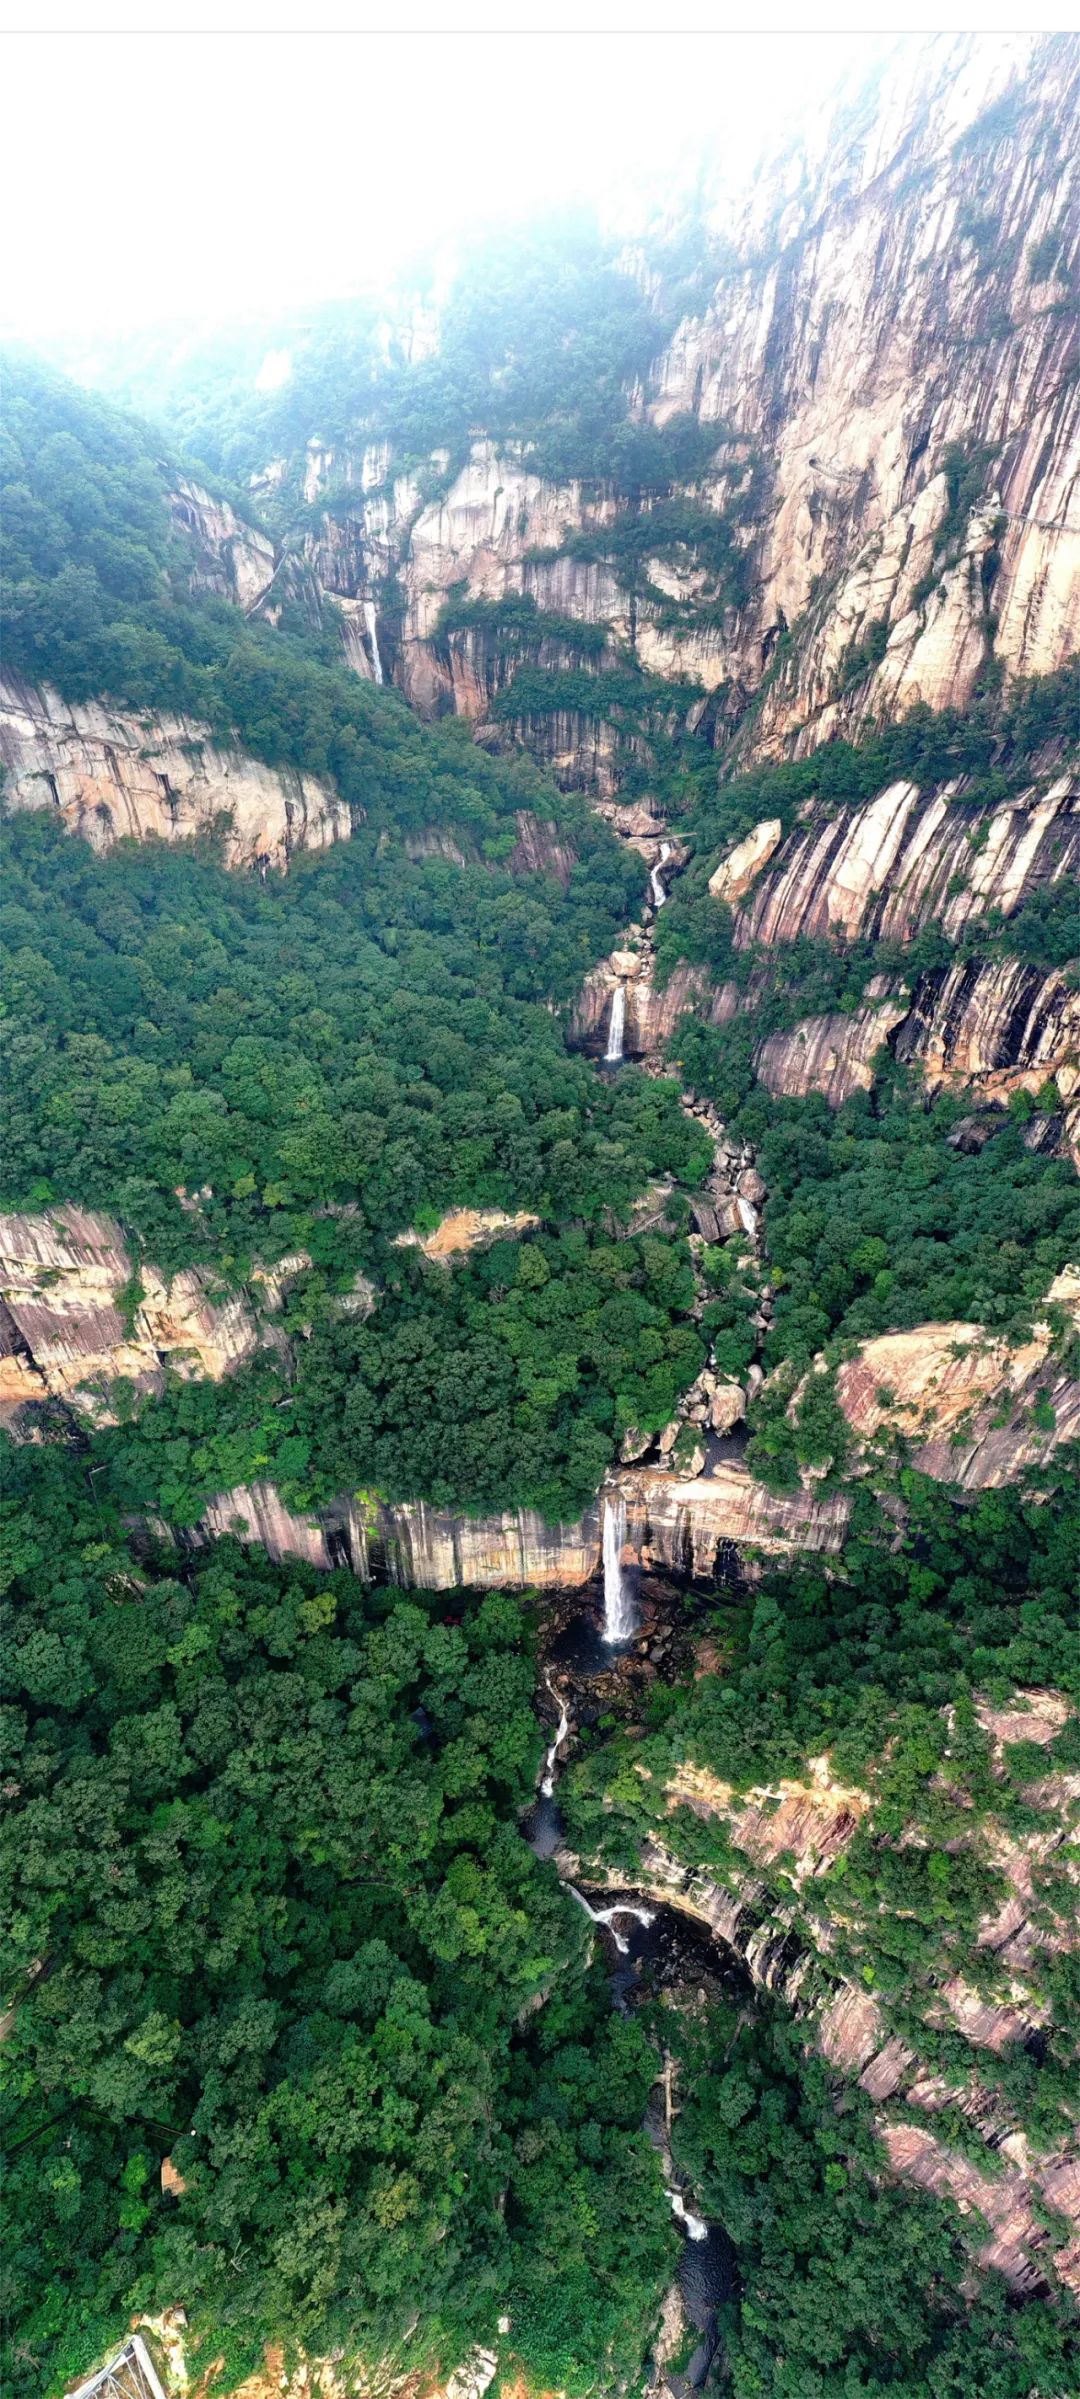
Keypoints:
pixel 272 1918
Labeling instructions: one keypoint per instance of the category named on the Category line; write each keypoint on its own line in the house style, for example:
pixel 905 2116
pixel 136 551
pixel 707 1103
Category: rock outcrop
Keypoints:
pixel 833 1055
pixel 76 1322
pixel 783 1929
pixel 231 559
pixel 896 303
pixel 112 775
pixel 465 1229
pixel 977 1410
pixel 652 1012
pixel 686 1526
pixel 909 859
pixel 997 1026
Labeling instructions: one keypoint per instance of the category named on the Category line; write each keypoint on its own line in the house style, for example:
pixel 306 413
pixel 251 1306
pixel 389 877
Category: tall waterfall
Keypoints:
pixel 656 879
pixel 618 1611
pixel 616 1027
pixel 373 639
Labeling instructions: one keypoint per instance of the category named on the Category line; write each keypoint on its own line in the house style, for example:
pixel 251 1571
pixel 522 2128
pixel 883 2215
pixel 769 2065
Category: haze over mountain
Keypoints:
pixel 540 1253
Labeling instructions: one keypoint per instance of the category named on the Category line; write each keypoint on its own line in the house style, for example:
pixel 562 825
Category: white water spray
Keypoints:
pixel 622 1907
pixel 547 1782
pixel 616 1027
pixel 656 879
pixel 693 2226
pixel 373 639
pixel 618 1608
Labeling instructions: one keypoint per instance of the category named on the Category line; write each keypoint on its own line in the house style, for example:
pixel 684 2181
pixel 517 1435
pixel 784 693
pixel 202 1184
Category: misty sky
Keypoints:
pixel 170 176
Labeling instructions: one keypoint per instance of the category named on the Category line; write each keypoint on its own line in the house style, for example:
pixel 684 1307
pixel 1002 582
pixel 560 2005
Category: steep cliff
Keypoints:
pixel 884 497
pixel 910 859
pixel 228 557
pixel 73 1319
pixel 112 776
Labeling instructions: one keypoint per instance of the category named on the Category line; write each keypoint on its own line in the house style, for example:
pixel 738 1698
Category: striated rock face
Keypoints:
pixel 652 1014
pixel 995 1022
pixel 888 363
pixel 231 559
pixel 910 859
pixel 62 1277
pixel 160 778
pixel 686 1526
pixel 902 291
pixel 1004 2200
pixel 793 1833
pixel 830 1054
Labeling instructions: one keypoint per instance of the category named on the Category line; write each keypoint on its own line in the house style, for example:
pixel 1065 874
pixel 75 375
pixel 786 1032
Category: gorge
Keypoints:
pixel 539 1278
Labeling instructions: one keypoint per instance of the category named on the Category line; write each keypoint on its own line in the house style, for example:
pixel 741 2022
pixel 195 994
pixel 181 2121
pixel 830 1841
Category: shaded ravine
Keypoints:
pixel 648 1947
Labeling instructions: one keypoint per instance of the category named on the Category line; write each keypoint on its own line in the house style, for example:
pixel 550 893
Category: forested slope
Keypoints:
pixel 430 1168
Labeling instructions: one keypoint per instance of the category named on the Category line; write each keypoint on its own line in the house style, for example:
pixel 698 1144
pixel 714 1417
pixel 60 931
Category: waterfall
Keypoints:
pixel 656 879
pixel 547 1783
pixel 694 2226
pixel 618 1612
pixel 373 640
pixel 616 1027
pixel 622 1907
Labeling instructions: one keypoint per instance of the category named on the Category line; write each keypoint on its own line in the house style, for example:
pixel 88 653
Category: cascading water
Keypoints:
pixel 693 2226
pixel 373 639
pixel 656 880
pixel 547 1780
pixel 622 1907
pixel 616 1027
pixel 618 1609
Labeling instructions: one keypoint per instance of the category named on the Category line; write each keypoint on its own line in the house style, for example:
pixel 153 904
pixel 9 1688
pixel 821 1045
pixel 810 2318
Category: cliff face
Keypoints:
pixel 66 1333
pixel 887 362
pixel 908 293
pixel 909 859
pixel 233 560
pixel 112 775
pixel 970 1405
pixel 784 1929
pixel 687 1526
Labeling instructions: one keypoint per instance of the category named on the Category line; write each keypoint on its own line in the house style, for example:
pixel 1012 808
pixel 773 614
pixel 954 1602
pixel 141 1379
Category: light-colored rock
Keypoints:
pixel 1004 2201
pixel 997 1023
pixel 727 1407
pixel 112 775
pixel 964 1396
pixel 862 331
pixel 464 1229
pixel 731 880
pixel 910 859
pixel 232 559
pixel 832 1055
pixel 652 1014
pixel 63 1277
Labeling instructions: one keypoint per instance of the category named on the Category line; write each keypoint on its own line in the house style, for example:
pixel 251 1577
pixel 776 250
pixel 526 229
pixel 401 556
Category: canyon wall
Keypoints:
pixel 112 774
pixel 888 363
pixel 778 1905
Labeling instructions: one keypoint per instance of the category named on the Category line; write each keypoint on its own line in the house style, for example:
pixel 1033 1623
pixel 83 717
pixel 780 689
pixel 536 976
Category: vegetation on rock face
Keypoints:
pixel 270 1914
pixel 369 1034
pixel 875 1661
pixel 506 1382
pixel 850 2282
